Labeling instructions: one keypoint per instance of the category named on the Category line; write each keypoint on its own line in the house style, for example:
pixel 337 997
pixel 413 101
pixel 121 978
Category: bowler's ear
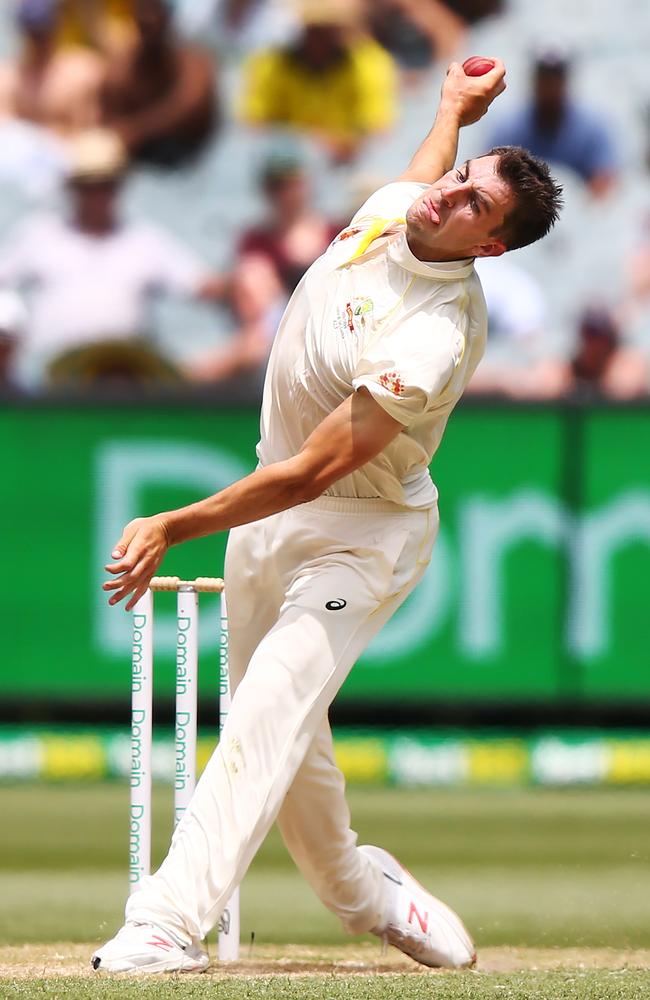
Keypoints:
pixel 494 249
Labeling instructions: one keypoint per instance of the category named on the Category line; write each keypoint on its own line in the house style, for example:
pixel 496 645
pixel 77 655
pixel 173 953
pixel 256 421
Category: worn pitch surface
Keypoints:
pixel 352 972
pixel 553 884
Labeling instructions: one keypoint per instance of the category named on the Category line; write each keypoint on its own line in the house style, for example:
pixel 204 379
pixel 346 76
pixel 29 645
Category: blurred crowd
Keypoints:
pixel 206 151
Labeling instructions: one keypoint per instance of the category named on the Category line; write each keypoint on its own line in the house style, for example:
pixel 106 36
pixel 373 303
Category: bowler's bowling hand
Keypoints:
pixel 137 555
pixel 471 96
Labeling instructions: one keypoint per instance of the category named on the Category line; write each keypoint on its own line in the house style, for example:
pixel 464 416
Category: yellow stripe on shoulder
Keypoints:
pixel 375 229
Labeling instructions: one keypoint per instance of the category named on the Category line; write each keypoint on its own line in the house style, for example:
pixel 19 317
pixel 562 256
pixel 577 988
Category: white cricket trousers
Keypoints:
pixel 307 591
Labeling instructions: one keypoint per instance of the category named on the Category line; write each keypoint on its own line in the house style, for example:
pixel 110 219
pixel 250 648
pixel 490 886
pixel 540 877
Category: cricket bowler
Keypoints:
pixel 328 537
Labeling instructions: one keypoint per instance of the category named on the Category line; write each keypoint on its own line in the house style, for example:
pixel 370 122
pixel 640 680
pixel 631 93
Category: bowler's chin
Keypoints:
pixel 419 231
pixel 415 227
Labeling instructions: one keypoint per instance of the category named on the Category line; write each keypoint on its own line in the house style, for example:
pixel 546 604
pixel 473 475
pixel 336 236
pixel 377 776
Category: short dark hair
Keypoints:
pixel 538 197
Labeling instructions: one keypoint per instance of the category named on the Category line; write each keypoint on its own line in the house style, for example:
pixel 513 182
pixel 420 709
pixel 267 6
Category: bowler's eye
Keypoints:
pixel 461 176
pixel 474 205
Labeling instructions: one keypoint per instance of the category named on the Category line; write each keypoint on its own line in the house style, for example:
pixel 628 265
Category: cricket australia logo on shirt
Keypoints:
pixel 353 318
pixel 392 381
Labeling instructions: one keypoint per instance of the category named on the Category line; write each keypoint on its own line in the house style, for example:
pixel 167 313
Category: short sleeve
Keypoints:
pixel 407 372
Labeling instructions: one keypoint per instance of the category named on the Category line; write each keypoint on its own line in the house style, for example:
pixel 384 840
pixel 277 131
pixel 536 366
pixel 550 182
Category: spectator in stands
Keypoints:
pixel 294 233
pixel 33 161
pixel 473 11
pixel 160 95
pixel 603 364
pixel 238 27
pixel 104 25
pixel 48 85
pixel 521 359
pixel 556 128
pixel 416 32
pixel 335 81
pixel 272 258
pixel 89 280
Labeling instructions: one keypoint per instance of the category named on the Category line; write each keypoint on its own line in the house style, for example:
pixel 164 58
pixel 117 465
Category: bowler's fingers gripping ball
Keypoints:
pixel 478 65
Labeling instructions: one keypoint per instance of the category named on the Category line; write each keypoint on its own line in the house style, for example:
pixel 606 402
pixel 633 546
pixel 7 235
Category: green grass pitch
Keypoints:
pixel 553 885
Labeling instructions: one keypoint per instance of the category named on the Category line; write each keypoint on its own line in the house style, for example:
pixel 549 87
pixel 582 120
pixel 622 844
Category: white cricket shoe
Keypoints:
pixel 416 922
pixel 146 948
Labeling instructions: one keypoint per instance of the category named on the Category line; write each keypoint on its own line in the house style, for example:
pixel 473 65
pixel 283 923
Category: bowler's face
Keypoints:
pixel 458 215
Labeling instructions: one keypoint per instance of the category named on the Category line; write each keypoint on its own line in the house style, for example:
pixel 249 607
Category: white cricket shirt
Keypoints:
pixel 369 313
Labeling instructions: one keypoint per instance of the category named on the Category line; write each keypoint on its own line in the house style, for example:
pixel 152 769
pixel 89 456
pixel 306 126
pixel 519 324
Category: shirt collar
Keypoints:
pixel 447 270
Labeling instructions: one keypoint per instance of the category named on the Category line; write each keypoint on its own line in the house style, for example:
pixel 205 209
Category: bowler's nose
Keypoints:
pixel 448 196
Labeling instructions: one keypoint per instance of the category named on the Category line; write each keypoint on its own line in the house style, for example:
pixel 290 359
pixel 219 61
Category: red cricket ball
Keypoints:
pixel 477 65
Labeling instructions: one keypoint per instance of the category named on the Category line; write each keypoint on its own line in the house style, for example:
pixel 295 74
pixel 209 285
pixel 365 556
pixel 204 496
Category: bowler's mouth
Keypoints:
pixel 433 213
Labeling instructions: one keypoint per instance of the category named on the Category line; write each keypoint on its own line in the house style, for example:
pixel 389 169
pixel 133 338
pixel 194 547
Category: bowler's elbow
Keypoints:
pixel 298 483
pixel 307 480
pixel 311 491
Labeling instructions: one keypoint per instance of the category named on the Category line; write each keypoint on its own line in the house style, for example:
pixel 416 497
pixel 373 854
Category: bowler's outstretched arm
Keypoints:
pixel 345 440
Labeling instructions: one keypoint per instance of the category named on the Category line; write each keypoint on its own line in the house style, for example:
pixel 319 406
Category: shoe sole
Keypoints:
pixel 451 916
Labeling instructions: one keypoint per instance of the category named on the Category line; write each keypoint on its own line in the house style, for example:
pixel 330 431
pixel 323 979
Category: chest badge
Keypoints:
pixel 353 318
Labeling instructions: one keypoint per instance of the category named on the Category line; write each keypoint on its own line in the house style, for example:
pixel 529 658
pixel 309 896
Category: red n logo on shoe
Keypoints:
pixel 423 921
pixel 159 942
